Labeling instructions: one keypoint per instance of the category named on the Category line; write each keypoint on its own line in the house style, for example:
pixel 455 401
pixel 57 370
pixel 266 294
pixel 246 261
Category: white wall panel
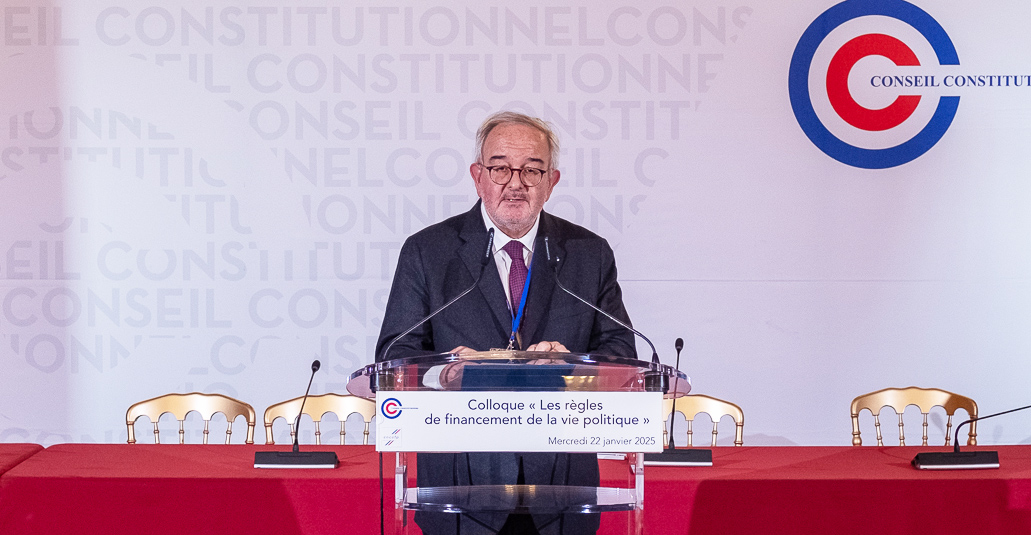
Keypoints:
pixel 208 195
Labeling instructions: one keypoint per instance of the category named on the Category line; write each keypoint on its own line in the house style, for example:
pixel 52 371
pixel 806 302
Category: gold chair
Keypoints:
pixel 924 399
pixel 343 405
pixel 694 404
pixel 182 404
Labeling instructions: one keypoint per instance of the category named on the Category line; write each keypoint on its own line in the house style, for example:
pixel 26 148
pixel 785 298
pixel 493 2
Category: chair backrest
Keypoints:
pixel 182 404
pixel 924 398
pixel 694 404
pixel 343 405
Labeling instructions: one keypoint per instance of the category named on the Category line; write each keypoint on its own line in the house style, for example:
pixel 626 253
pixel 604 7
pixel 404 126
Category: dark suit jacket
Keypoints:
pixel 441 261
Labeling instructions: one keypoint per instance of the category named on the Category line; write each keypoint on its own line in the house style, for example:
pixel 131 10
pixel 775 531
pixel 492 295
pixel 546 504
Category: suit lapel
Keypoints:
pixel 474 236
pixel 542 283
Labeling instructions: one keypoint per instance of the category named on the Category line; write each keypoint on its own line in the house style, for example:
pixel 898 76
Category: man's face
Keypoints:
pixel 514 207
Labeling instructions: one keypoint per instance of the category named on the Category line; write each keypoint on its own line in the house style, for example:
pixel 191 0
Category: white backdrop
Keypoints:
pixel 208 196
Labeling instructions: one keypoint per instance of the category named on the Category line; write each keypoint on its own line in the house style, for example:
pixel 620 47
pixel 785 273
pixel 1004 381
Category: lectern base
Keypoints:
pixel 520 499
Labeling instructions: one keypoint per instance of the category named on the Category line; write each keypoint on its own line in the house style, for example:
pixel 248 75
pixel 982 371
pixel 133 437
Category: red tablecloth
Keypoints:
pixel 176 489
pixel 156 489
pixel 839 490
pixel 12 454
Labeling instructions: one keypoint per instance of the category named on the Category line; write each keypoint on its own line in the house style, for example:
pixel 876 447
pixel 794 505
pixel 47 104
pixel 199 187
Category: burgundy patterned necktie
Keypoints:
pixel 516 275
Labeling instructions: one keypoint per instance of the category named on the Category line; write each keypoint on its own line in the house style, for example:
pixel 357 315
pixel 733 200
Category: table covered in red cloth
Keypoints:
pixel 12 454
pixel 839 490
pixel 159 489
pixel 156 489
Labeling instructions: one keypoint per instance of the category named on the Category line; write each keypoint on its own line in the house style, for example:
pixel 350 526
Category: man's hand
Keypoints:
pixel 548 346
pixel 452 373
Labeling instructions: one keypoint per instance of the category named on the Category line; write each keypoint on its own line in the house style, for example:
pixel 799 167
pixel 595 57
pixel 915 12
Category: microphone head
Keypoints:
pixel 315 366
pixel 553 264
pixel 679 344
pixel 490 247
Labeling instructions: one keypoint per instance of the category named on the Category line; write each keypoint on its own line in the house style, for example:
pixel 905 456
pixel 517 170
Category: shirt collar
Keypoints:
pixel 500 238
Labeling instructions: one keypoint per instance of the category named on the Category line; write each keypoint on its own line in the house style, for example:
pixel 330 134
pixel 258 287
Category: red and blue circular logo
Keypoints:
pixel 390 408
pixel 875 121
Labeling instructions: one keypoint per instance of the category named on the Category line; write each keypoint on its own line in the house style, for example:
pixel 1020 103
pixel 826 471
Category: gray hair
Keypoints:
pixel 511 117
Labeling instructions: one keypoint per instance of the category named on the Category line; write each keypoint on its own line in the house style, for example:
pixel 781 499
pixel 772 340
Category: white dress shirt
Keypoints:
pixel 501 258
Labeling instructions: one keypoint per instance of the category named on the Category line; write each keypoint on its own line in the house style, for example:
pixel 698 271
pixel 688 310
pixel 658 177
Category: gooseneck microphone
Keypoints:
pixel 679 346
pixel 554 269
pixel 955 446
pixel 295 458
pixel 961 460
pixel 672 456
pixel 315 365
pixel 484 260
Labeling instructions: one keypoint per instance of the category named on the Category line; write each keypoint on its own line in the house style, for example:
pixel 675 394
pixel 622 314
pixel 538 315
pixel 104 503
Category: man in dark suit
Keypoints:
pixel 514 176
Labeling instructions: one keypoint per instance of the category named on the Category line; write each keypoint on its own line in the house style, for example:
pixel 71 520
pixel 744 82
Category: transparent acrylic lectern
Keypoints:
pixel 518 371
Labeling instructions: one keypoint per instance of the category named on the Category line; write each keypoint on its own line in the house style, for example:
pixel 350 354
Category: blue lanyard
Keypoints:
pixel 517 318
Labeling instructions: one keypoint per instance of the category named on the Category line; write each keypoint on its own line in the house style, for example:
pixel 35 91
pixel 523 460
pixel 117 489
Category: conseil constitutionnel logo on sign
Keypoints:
pixel 876 84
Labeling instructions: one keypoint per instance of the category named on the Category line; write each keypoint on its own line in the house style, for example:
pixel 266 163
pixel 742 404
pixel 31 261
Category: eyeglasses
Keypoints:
pixel 502 174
